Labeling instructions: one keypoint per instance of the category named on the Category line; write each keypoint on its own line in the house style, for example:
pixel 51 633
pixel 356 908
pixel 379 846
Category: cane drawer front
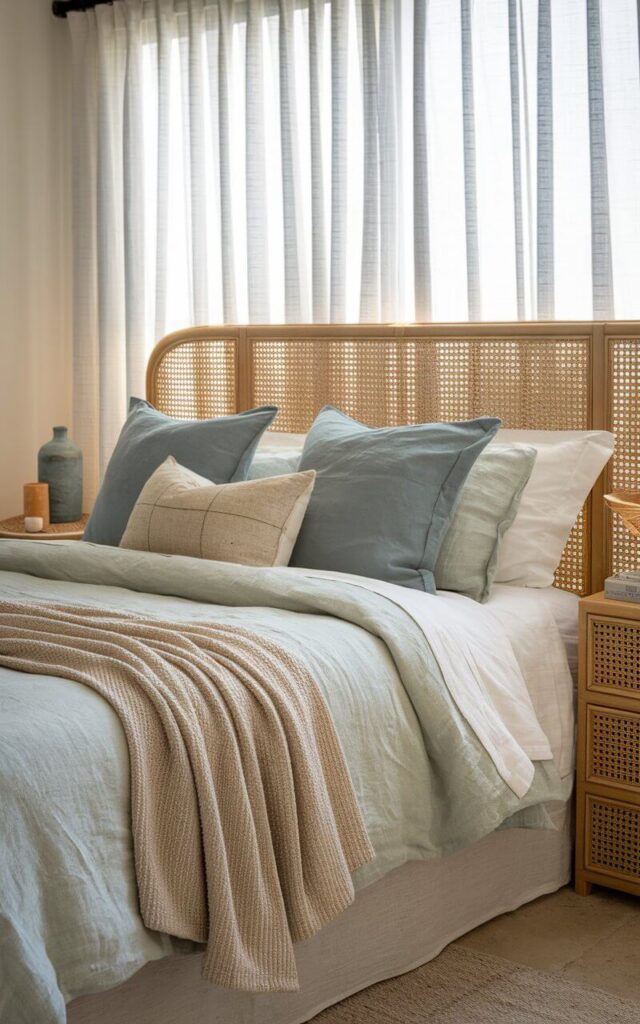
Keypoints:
pixel 614 656
pixel 612 837
pixel 613 747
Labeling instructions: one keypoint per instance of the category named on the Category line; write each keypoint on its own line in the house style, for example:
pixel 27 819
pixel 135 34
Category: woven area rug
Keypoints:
pixel 463 987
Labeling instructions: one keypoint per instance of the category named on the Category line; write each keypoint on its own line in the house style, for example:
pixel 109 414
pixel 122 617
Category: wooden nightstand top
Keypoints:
pixel 13 529
pixel 598 604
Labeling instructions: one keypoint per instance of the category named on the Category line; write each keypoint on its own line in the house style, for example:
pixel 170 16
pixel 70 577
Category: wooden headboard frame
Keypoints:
pixel 553 376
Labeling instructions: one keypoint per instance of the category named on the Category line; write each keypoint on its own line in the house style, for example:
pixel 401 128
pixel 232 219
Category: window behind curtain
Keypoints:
pixel 432 144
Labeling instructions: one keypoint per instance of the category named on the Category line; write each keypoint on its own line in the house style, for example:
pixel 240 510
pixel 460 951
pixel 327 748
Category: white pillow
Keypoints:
pixel 275 442
pixel 567 466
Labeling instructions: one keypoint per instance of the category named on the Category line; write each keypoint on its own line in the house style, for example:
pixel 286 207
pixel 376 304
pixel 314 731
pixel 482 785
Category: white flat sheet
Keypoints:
pixel 542 626
pixel 529 638
pixel 564 608
pixel 480 670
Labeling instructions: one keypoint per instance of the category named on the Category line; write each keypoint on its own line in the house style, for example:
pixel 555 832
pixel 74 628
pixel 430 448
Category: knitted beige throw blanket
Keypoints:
pixel 245 824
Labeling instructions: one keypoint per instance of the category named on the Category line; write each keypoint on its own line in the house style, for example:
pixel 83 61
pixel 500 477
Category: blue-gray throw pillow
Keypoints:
pixel 220 450
pixel 384 498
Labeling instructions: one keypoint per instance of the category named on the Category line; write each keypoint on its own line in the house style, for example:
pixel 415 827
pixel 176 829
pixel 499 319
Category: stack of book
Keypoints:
pixel 624 586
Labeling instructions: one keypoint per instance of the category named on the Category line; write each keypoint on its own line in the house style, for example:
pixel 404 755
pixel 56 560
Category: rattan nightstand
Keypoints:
pixel 608 758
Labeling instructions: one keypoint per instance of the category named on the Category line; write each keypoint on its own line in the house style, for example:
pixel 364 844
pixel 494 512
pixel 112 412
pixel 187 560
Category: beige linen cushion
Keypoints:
pixel 254 522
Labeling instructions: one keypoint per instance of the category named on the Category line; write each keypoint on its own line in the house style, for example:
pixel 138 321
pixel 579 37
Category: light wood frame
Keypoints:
pixel 544 375
pixel 622 699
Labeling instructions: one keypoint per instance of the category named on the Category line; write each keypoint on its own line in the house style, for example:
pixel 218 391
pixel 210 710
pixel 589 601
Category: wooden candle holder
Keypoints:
pixel 36 502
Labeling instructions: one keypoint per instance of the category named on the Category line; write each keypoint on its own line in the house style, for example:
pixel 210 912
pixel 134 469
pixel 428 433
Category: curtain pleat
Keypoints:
pixel 421 257
pixel 165 30
pixel 516 144
pixel 470 187
pixel 256 193
pixel 267 160
pixel 213 158
pixel 86 328
pixel 600 225
pixel 227 253
pixel 370 262
pixel 195 116
pixel 112 353
pixel 545 225
pixel 388 148
pixel 338 258
pixel 319 276
pixel 290 197
pixel 185 227
pixel 134 186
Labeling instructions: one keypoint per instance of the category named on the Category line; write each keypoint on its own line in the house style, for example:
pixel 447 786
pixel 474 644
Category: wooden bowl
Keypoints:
pixel 627 505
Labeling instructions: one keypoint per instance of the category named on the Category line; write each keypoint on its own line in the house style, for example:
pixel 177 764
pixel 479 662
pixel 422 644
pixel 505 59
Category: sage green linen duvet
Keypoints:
pixel 69 920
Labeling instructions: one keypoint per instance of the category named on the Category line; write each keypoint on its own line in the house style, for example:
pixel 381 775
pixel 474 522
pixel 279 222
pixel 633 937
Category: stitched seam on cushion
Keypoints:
pixel 153 507
pixel 204 518
pixel 422 568
pixel 240 515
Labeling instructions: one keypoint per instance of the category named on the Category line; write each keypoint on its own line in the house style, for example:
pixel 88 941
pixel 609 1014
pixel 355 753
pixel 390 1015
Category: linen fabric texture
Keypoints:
pixel 568 463
pixel 384 497
pixel 241 799
pixel 267 464
pixel 441 791
pixel 488 504
pixel 254 522
pixel 219 449
pixel 277 452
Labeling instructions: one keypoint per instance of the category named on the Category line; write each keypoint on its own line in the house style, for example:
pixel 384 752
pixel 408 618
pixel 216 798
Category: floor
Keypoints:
pixel 591 940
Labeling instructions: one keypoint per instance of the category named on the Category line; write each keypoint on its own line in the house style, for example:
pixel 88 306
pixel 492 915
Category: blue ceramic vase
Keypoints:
pixel 60 466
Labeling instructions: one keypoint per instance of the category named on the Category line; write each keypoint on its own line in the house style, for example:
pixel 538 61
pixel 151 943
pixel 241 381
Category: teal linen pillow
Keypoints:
pixel 384 497
pixel 220 450
pixel 488 504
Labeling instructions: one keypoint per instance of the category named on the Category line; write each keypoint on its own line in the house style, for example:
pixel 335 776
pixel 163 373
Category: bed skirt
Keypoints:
pixel 396 924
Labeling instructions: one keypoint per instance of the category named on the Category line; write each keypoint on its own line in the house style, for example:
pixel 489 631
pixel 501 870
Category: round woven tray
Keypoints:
pixel 14 528
pixel 627 505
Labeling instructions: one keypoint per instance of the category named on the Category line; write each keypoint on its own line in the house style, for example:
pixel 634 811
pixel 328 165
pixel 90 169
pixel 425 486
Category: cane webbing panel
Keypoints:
pixel 613 746
pixel 197 379
pixel 530 383
pixel 624 468
pixel 615 653
pixel 612 836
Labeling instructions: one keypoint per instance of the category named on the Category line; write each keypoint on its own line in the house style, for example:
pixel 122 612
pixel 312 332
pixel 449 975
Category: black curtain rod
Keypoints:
pixel 61 8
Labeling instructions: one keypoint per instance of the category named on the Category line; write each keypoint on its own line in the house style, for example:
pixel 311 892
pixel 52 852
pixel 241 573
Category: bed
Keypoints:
pixel 410 906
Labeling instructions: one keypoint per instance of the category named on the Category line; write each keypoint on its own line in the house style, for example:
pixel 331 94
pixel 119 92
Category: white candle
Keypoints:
pixel 33 524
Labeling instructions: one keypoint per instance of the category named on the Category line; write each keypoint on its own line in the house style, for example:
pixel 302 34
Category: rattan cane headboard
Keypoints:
pixel 553 376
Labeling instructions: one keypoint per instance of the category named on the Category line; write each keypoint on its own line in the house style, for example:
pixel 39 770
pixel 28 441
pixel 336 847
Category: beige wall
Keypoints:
pixel 35 337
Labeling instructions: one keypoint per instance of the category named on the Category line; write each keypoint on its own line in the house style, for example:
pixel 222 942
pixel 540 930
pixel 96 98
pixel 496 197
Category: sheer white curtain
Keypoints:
pixel 374 160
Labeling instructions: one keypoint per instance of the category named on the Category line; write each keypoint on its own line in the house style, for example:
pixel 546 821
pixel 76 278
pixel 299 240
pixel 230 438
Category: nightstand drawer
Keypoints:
pixel 613 655
pixel 612 837
pixel 613 747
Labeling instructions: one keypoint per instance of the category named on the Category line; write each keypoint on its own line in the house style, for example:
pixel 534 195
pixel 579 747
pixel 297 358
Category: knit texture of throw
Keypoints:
pixel 245 824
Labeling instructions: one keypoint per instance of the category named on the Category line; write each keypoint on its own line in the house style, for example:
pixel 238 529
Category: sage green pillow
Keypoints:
pixel 486 509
